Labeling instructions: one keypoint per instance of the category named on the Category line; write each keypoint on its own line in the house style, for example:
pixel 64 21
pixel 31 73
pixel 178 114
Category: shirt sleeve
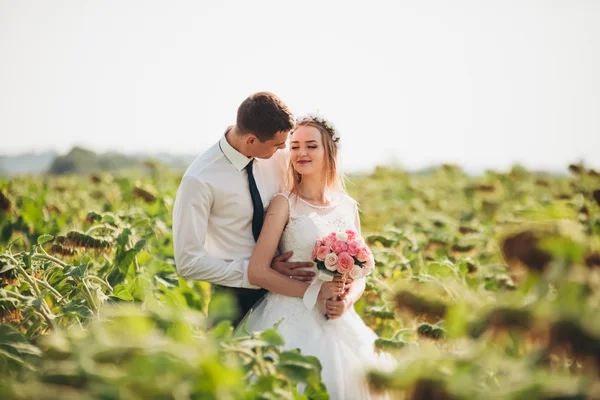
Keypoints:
pixel 191 212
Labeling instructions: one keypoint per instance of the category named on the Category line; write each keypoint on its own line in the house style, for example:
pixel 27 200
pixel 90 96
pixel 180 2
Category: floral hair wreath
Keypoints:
pixel 329 127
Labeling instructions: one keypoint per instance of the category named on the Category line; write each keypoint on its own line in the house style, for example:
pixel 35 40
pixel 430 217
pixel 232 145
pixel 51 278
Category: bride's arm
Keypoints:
pixel 259 270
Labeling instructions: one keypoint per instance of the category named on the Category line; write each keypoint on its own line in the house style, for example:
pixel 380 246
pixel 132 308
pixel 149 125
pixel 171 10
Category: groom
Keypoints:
pixel 219 208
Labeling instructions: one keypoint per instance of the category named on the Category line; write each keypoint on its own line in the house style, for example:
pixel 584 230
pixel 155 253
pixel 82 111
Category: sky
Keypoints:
pixel 483 84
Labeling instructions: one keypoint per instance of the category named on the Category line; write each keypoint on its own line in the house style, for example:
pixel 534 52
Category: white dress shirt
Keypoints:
pixel 212 215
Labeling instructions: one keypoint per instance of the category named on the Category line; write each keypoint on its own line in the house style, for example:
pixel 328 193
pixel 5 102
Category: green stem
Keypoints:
pixel 31 282
pixel 89 296
pixel 50 288
pixel 260 361
pixel 18 296
pixel 50 258
pixel 101 226
pixel 241 351
pixel 49 321
pixel 100 281
pixel 47 313
pixel 44 313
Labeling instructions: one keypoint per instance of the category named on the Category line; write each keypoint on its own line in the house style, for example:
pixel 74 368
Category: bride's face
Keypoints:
pixel 306 150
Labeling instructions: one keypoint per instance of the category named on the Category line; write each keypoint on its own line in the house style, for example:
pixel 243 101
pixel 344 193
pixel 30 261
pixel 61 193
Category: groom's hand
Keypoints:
pixel 292 269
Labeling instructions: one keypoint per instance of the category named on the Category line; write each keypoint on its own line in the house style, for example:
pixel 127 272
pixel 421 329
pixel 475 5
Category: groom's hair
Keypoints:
pixel 264 114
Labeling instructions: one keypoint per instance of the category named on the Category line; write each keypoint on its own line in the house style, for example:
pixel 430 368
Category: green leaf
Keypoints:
pixel 317 392
pixel 222 306
pixel 456 320
pixel 123 238
pixel 11 357
pixel 385 242
pixel 272 338
pixel 37 303
pixel 108 218
pixel 93 216
pixel 223 331
pixel 7 267
pixel 44 238
pixel 441 269
pixel 121 292
pixel 77 310
pixel 298 367
pixel 124 260
pixel 76 272
pixel 21 348
pixel 138 287
pixel 8 334
pixel 564 248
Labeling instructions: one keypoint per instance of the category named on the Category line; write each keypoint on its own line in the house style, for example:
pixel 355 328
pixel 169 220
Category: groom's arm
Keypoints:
pixel 190 220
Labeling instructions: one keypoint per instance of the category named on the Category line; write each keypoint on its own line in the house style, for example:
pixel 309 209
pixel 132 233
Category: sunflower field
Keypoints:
pixel 485 287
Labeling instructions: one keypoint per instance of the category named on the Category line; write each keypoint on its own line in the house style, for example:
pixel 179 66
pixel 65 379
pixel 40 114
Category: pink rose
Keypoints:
pixel 322 253
pixel 331 260
pixel 345 263
pixel 351 234
pixel 339 247
pixel 370 263
pixel 363 254
pixel 353 248
pixel 356 272
pixel 329 240
pixel 313 255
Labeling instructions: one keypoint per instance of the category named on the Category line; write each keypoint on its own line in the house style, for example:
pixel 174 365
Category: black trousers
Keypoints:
pixel 245 300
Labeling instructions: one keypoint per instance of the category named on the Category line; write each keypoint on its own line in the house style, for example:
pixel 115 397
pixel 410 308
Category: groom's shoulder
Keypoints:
pixel 206 163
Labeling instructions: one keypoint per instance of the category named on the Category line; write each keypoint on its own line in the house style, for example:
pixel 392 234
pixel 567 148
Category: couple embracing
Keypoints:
pixel 247 199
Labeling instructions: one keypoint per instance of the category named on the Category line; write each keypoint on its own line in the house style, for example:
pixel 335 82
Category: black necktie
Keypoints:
pixel 259 211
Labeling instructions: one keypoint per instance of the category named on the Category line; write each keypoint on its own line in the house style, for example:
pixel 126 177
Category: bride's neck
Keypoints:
pixel 313 188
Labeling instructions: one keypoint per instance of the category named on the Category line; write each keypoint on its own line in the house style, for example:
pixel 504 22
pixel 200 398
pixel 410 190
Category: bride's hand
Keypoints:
pixel 335 308
pixel 346 280
pixel 331 289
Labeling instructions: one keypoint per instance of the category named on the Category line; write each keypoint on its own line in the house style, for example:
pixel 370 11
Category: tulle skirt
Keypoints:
pixel 345 346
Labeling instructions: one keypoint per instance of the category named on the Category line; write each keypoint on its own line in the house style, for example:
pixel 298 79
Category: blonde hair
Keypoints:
pixel 334 180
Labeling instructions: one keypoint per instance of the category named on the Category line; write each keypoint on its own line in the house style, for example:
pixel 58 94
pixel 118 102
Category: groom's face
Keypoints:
pixel 267 149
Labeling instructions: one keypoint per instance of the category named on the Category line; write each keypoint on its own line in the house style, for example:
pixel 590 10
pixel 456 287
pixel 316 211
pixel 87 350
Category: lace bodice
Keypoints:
pixel 307 223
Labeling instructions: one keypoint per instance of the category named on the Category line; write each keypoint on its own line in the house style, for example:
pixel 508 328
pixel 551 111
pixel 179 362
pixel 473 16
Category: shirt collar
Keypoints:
pixel 238 160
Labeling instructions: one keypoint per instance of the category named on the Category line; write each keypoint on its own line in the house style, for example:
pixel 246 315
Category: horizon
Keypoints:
pixel 473 171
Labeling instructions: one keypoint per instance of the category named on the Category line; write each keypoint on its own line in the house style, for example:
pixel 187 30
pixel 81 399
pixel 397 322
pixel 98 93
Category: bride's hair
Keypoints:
pixel 333 176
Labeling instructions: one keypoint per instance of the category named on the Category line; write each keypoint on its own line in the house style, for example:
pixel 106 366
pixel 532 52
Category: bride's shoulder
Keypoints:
pixel 281 194
pixel 346 199
pixel 281 197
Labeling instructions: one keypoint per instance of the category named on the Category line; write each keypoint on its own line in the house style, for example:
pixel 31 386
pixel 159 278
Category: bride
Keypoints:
pixel 315 206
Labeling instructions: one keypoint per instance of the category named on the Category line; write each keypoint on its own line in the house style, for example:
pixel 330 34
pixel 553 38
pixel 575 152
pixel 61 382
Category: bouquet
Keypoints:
pixel 343 253
pixel 339 253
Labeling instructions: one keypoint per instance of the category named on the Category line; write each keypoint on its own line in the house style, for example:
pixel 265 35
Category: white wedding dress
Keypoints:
pixel 343 345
